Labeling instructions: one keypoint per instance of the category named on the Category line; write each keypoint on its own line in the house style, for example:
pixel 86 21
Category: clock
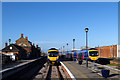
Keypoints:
pixel 10 47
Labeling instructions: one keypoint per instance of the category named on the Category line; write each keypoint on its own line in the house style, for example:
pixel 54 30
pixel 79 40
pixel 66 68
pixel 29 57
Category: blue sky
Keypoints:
pixel 55 24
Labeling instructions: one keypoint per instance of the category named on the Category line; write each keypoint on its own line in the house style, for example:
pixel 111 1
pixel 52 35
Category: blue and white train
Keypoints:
pixel 90 54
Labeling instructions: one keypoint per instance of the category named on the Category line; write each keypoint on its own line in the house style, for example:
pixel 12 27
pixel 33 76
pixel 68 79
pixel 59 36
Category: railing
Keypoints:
pixel 23 71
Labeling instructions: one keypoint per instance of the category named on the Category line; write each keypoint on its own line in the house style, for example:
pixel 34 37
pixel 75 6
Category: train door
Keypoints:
pixel 77 54
pixel 83 55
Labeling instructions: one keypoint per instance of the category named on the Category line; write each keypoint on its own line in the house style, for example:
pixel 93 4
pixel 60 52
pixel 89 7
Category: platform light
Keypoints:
pixel 67 47
pixel 73 44
pixel 9 41
pixel 86 30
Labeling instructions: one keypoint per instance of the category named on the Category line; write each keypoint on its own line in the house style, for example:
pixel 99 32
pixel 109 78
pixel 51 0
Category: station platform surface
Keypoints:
pixel 81 72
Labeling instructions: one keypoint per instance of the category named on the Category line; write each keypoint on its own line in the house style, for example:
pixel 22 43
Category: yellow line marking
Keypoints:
pixel 83 76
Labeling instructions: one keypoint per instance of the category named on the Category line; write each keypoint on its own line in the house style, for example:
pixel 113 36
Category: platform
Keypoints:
pixel 80 71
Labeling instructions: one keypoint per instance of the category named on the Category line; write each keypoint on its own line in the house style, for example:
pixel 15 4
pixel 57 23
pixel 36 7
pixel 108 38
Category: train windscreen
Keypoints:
pixel 53 54
pixel 93 53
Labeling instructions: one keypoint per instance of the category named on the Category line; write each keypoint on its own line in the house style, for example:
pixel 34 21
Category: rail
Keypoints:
pixel 54 73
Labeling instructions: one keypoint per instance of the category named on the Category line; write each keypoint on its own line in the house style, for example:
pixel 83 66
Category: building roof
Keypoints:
pixel 24 42
pixel 13 48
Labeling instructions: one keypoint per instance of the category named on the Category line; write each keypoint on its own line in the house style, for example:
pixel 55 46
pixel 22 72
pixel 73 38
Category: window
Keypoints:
pixel 53 54
pixel 93 53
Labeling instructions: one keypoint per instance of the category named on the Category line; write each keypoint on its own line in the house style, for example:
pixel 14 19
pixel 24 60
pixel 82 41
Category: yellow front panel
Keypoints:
pixel 53 58
pixel 93 58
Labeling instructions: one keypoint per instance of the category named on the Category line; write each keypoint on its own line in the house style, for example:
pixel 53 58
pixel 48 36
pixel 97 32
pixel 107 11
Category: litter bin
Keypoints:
pixel 80 62
pixel 105 73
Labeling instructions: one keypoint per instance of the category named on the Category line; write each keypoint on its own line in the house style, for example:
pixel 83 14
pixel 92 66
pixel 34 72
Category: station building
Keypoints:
pixel 14 51
pixel 22 49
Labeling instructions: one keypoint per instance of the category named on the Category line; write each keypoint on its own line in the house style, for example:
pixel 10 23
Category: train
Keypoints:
pixel 89 54
pixel 53 56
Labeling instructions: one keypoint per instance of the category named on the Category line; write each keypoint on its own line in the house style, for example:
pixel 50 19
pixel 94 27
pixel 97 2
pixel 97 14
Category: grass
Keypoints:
pixel 113 64
pixel 117 66
pixel 115 60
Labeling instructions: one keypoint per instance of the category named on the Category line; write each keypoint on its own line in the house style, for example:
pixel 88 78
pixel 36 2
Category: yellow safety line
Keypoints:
pixel 83 76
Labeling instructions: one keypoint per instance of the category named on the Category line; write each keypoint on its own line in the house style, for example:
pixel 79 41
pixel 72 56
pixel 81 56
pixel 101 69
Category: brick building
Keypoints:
pixel 23 42
pixel 108 51
pixel 32 51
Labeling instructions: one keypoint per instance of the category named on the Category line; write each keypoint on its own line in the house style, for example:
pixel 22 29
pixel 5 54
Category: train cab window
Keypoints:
pixel 53 54
pixel 93 53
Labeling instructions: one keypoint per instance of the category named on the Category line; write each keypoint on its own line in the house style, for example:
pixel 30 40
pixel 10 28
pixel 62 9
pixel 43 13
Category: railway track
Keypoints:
pixel 54 72
pixel 51 72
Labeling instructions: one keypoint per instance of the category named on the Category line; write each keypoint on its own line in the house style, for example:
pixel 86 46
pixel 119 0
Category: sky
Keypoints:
pixel 54 24
pixel 60 0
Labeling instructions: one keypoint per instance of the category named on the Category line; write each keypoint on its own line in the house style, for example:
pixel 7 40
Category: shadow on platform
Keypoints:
pixel 113 75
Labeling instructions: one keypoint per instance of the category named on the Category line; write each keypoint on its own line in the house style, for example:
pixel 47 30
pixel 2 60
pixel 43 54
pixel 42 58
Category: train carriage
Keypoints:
pixel 90 54
pixel 69 55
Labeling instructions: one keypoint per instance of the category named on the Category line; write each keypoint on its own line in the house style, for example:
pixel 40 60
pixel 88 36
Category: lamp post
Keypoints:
pixel 67 47
pixel 86 30
pixel 63 48
pixel 9 41
pixel 73 44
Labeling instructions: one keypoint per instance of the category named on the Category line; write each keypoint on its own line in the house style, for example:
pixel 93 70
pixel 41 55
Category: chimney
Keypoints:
pixel 21 35
pixel 6 44
pixel 26 38
pixel 33 44
pixel 36 46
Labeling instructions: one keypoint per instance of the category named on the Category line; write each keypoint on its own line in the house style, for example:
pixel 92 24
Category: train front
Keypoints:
pixel 93 54
pixel 53 56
